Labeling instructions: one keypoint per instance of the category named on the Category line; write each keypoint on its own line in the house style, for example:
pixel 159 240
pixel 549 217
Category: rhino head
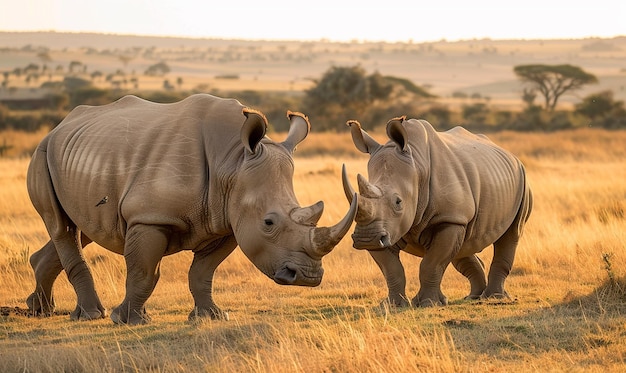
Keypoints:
pixel 388 201
pixel 280 237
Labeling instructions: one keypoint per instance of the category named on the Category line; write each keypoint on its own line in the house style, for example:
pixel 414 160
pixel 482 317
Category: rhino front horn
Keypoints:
pixel 347 187
pixel 324 239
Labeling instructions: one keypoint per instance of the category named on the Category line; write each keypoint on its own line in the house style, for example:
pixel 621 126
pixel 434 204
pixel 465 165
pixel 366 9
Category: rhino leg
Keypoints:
pixel 474 270
pixel 388 261
pixel 69 250
pixel 504 253
pixel 504 250
pixel 47 266
pixel 444 242
pixel 203 267
pixel 143 251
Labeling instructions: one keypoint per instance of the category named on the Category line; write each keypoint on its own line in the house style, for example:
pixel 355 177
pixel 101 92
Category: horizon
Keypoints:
pixel 450 20
pixel 363 41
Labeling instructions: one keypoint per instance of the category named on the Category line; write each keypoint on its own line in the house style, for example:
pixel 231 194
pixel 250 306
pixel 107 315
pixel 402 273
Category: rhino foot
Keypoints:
pixel 398 301
pixel 495 295
pixel 82 314
pixel 215 313
pixel 429 301
pixel 39 305
pixel 130 317
pixel 472 297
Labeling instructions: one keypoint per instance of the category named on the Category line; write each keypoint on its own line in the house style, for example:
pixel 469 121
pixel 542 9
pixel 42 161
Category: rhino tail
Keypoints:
pixel 526 204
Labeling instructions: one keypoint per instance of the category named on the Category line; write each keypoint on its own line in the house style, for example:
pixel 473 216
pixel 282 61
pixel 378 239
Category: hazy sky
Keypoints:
pixel 338 20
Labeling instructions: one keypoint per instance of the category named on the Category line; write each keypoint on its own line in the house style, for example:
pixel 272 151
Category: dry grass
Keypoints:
pixel 568 283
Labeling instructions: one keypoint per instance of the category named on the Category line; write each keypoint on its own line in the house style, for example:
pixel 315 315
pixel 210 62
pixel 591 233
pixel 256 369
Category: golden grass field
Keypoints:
pixel 566 313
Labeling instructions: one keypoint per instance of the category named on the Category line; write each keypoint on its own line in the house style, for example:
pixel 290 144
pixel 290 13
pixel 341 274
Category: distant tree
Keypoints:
pixel 179 82
pixel 96 75
pixel 552 81
pixel 476 113
pixel 125 59
pixel 158 69
pixel 528 96
pixel 74 65
pixel 341 93
pixel 437 115
pixel 167 85
pixel 31 68
pixel 44 56
pixel 602 110
pixel 344 93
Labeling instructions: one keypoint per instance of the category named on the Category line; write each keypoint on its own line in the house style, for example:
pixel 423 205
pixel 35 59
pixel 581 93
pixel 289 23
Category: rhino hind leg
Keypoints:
pixel 69 249
pixel 474 270
pixel 504 250
pixel 47 267
pixel 201 273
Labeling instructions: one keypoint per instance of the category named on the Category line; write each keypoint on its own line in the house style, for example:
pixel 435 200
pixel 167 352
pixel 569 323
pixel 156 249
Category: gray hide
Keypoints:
pixel 443 196
pixel 147 180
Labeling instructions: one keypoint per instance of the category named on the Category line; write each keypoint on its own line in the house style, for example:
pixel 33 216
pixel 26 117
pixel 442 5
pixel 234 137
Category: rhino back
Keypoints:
pixel 477 183
pixel 138 162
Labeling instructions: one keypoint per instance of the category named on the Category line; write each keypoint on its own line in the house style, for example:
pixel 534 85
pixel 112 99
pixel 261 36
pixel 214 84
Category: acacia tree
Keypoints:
pixel 552 81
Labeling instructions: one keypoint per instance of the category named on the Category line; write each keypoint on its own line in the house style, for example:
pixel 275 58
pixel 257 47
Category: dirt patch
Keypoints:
pixel 6 311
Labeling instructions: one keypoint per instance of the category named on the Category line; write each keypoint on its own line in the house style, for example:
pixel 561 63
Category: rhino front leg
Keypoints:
pixel 444 242
pixel 47 266
pixel 474 270
pixel 203 267
pixel 144 249
pixel 388 261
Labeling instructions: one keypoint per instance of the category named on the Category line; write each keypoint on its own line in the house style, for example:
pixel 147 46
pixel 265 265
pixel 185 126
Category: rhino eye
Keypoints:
pixel 268 222
pixel 398 203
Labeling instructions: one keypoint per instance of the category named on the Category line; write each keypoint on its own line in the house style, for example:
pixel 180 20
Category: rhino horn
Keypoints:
pixel 368 190
pixel 298 130
pixel 347 187
pixel 324 239
pixel 308 215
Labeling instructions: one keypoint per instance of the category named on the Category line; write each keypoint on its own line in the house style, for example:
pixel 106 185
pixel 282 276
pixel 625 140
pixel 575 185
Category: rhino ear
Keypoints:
pixel 253 129
pixel 298 130
pixel 362 139
pixel 397 132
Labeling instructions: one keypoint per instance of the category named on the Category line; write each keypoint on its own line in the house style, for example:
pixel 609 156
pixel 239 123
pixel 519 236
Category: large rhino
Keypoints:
pixel 147 180
pixel 443 196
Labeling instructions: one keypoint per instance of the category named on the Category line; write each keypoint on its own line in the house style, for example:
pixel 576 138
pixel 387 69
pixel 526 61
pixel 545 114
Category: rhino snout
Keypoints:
pixel 371 241
pixel 291 274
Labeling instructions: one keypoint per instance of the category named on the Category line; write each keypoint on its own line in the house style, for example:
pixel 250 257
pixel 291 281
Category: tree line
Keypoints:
pixel 349 92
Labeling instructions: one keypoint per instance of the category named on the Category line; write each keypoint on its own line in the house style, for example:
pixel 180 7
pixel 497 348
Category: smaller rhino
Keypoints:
pixel 442 196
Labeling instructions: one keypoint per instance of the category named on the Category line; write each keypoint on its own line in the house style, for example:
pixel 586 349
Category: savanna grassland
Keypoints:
pixel 568 287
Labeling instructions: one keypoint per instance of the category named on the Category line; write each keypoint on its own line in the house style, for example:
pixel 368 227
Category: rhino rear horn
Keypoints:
pixel 324 239
pixel 308 215
pixel 366 189
pixel 298 130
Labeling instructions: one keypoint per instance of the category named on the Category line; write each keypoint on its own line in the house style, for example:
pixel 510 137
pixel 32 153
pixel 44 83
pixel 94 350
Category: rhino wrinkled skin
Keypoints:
pixel 443 196
pixel 147 180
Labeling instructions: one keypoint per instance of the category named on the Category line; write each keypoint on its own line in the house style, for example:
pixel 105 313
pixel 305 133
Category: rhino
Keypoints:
pixel 146 180
pixel 444 197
